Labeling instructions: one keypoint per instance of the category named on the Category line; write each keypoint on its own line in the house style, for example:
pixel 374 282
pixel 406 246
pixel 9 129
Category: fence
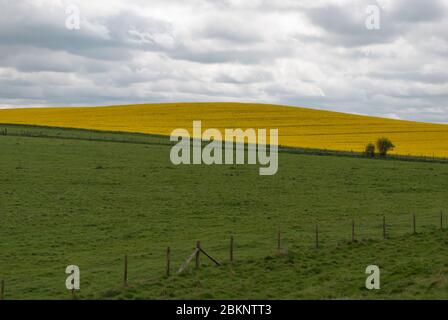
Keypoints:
pixel 318 236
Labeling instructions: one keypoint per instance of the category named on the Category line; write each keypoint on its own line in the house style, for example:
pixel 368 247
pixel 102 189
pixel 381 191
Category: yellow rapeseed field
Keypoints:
pixel 298 127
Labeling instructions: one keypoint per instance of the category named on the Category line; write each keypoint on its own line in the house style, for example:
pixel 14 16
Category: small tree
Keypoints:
pixel 384 145
pixel 370 150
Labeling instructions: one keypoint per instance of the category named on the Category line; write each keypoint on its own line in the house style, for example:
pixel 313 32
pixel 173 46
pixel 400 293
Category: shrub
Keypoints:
pixel 370 150
pixel 384 145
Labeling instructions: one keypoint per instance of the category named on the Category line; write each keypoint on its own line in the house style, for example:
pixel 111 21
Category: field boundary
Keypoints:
pixel 278 248
pixel 32 131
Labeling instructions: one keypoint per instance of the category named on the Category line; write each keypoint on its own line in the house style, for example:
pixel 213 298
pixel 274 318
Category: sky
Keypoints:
pixel 311 53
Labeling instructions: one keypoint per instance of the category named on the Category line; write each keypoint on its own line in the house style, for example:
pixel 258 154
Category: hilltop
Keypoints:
pixel 298 127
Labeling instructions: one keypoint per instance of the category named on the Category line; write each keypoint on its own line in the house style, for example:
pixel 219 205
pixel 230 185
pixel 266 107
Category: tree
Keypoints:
pixel 384 145
pixel 370 150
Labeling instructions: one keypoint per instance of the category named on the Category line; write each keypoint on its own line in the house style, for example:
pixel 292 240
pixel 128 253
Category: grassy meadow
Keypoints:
pixel 298 127
pixel 71 198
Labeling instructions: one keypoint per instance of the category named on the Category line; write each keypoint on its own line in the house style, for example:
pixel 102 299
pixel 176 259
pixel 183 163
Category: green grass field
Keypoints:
pixel 88 202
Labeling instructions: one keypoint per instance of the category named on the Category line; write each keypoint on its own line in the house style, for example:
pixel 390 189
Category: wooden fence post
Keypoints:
pixel 317 236
pixel 441 220
pixel 168 257
pixel 413 224
pixel 384 227
pixel 231 249
pixel 198 261
pixel 279 241
pixel 2 290
pixel 125 276
pixel 353 230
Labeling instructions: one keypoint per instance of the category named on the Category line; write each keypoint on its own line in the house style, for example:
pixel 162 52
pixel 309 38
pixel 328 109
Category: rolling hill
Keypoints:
pixel 69 198
pixel 298 127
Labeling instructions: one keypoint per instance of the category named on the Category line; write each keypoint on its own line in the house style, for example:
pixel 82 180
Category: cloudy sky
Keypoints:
pixel 310 53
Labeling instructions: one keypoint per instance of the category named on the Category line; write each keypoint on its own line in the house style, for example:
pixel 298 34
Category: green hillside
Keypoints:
pixel 89 202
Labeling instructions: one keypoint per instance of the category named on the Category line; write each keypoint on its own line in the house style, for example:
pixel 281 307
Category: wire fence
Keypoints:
pixel 241 248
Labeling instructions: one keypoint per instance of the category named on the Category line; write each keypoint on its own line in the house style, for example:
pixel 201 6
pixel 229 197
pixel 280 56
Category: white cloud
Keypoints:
pixel 313 53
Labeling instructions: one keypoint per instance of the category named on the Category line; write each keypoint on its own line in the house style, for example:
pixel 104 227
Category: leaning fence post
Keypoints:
pixel 317 236
pixel 384 227
pixel 125 276
pixel 198 247
pixel 168 257
pixel 231 249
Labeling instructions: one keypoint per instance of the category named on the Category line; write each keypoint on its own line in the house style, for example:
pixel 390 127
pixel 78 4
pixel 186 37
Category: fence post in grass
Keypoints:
pixel 2 290
pixel 231 249
pixel 125 276
pixel 413 223
pixel 353 230
pixel 317 236
pixel 441 220
pixel 279 241
pixel 384 227
pixel 198 247
pixel 168 257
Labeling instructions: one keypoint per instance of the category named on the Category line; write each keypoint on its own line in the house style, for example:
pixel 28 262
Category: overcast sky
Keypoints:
pixel 312 53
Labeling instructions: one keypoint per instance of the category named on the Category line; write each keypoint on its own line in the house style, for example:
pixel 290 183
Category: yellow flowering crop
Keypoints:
pixel 297 127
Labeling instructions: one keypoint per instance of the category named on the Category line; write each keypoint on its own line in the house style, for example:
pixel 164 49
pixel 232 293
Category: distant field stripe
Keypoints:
pixel 298 127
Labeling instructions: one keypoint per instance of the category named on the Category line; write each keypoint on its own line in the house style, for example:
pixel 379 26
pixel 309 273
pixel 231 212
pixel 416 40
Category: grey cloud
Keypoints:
pixel 312 53
pixel 26 59
pixel 231 29
pixel 118 34
pixel 346 27
pixel 416 11
pixel 437 77
pixel 243 56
